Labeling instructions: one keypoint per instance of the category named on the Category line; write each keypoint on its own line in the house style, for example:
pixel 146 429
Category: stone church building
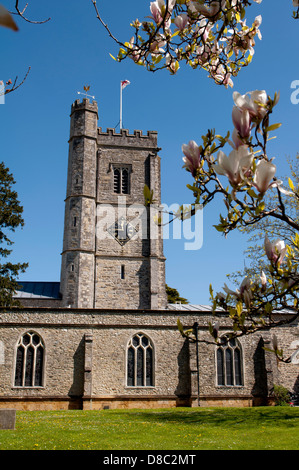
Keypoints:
pixel 104 336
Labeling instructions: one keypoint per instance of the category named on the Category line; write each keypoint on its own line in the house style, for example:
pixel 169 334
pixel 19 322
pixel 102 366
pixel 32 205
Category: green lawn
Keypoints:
pixel 261 428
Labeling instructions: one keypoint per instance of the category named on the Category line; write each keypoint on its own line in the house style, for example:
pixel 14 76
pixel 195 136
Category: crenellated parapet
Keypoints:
pixel 84 119
pixel 84 104
pixel 123 138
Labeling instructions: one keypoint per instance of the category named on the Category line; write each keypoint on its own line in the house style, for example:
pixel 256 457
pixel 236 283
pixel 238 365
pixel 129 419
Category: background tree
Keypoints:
pixel 173 296
pixel 10 218
pixel 255 255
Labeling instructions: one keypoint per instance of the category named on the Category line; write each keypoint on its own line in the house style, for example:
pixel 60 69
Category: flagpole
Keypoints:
pixel 121 107
pixel 123 84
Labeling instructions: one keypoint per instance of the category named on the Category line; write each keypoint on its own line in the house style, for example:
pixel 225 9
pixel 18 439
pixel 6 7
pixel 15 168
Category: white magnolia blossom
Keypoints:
pixel 181 21
pixel 192 159
pixel 254 101
pixel 158 9
pixel 242 122
pixel 263 279
pixel 235 165
pixel 220 75
pixel 275 250
pixel 244 292
pixel 264 174
pixel 210 11
pixel 199 38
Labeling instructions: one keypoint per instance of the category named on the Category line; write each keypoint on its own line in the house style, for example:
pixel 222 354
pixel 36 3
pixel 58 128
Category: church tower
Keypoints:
pixel 112 248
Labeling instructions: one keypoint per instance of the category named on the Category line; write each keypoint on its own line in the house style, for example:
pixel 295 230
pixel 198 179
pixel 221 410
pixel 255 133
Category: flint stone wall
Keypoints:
pixel 85 360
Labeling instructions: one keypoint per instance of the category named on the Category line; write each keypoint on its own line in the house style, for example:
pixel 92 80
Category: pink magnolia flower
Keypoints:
pixel 244 40
pixel 275 251
pixel 192 158
pixel 258 21
pixel 203 28
pixel 158 9
pixel 155 8
pixel 181 21
pixel 237 140
pixel 210 11
pixel 157 45
pixel 221 76
pixel 171 63
pixel 244 292
pixel 206 52
pixel 264 173
pixel 135 53
pixel 263 279
pixel 228 81
pixel 235 165
pixel 255 102
pixel 242 122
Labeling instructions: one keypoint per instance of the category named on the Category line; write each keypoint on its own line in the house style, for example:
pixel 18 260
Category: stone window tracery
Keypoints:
pixel 29 361
pixel 140 362
pixel 121 179
pixel 229 363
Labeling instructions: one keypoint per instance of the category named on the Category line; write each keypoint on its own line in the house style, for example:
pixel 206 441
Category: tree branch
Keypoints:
pixel 21 14
pixel 15 85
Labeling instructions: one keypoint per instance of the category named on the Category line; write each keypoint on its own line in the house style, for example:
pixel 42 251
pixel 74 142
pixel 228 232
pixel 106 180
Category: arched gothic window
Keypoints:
pixel 121 180
pixel 29 361
pixel 116 180
pixel 125 181
pixel 229 363
pixel 140 362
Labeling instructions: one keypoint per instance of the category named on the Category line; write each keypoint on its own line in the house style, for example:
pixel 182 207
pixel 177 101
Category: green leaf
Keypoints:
pixel 148 195
pixel 157 59
pixel 268 308
pixel 251 193
pixel 273 127
pixel 239 308
pixel 291 184
pixel 219 228
pixel 193 188
pixel 175 34
pixel 180 326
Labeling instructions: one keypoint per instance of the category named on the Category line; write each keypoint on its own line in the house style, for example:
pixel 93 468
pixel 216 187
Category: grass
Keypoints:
pixel 261 428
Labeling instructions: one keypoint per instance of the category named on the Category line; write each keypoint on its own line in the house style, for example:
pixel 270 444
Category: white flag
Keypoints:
pixel 124 83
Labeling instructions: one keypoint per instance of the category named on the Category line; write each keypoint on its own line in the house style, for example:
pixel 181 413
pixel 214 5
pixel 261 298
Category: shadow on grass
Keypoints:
pixel 283 416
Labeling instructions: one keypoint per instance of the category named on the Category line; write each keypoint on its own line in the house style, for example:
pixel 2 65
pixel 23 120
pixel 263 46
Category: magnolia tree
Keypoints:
pixel 208 34
pixel 213 35
pixel 256 260
pixel 242 178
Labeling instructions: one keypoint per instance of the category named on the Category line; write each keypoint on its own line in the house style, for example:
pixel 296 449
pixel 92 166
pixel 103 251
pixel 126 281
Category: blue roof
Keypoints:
pixel 38 289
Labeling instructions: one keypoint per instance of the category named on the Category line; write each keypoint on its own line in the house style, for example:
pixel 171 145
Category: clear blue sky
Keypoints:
pixel 72 50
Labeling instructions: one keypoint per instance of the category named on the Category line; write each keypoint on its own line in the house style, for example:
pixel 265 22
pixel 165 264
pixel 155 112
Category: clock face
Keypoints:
pixel 122 231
